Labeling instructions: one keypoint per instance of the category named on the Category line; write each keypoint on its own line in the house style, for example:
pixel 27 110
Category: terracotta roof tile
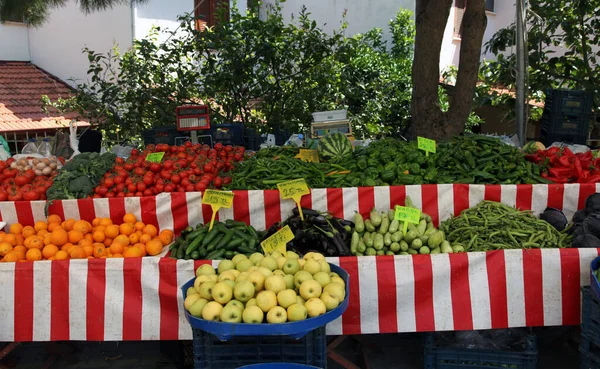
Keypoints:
pixel 22 85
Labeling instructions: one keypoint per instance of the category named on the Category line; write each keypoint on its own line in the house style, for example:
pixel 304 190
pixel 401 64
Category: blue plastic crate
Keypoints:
pixel 590 315
pixel 212 353
pixel 588 361
pixel 460 358
pixel 594 282
pixel 569 101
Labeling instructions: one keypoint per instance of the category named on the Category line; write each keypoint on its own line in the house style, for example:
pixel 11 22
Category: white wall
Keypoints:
pixel 56 46
pixel 361 15
pixel 159 13
pixel 14 42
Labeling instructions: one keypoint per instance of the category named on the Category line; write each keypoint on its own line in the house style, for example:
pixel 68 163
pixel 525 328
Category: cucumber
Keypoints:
pixel 193 245
pixel 181 251
pixel 245 250
pixel 397 236
pixel 195 255
pixel 232 244
pixel 210 236
pixel 229 254
pixel 380 252
pixel 355 240
pixel 368 239
pixel 403 246
pixel 213 244
pixel 217 254
pixel 227 237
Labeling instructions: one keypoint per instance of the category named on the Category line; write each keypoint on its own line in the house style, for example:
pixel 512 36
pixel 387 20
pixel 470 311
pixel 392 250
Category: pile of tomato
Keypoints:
pixel 17 185
pixel 184 168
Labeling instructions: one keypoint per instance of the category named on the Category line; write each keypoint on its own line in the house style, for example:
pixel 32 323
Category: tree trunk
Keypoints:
pixel 428 120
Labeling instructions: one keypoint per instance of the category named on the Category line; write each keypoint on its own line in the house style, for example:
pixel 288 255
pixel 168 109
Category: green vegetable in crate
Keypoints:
pixel 335 147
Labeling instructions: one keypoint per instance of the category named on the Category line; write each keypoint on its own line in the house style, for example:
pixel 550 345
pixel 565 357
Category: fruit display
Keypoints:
pixel 27 178
pixel 184 168
pixel 492 226
pixel 225 240
pixel 318 232
pixel 272 288
pixel 55 239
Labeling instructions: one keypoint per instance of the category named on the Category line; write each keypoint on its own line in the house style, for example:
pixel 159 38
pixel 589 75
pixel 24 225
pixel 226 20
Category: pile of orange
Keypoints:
pixel 56 239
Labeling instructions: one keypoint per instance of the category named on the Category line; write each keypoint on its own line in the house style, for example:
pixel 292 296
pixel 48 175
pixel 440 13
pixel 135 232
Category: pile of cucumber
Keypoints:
pixel 224 241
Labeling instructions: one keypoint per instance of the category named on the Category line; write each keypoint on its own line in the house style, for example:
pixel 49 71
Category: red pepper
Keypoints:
pixel 557 179
pixel 553 150
pixel 560 172
pixel 592 179
pixel 564 161
pixel 577 168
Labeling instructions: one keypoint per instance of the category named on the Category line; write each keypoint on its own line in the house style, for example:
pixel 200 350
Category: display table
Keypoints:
pixel 137 299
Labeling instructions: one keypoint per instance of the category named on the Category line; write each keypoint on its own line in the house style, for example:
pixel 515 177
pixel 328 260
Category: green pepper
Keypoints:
pixel 387 175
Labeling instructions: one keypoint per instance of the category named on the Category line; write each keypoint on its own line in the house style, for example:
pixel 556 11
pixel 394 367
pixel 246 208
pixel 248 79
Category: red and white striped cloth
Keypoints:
pixel 139 299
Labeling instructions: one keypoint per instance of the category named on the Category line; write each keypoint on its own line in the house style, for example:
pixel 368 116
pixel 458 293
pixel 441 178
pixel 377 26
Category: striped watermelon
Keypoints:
pixel 334 147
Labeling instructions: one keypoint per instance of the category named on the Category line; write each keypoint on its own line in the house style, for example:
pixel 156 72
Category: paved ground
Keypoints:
pixel 557 346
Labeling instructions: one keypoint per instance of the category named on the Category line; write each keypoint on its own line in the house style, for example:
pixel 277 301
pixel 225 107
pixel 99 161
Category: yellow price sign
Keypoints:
pixel 278 240
pixel 155 157
pixel 308 155
pixel 407 215
pixel 217 200
pixel 426 145
pixel 294 190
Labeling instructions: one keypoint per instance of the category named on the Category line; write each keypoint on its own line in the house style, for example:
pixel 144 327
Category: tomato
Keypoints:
pixel 119 161
pixel 218 146
pixel 21 180
pixel 187 144
pixel 174 149
pixel 128 167
pixel 159 187
pixel 134 152
pixel 169 187
pixel 109 182
pixel 102 191
pixel 10 173
pixel 148 180
pixel 141 187
pixel 227 180
pixel 120 187
pixel 197 171
pixel 155 167
pixel 148 192
pixel 131 187
pixel 110 194
pixel 121 194
pixel 31 195
pixel 238 157
pixel 167 164
pixel 200 186
pixel 184 181
pixel 218 182
pixel 176 178
pixel 15 196
pixel 3 196
pixel 165 174
pixel 208 168
pixel 119 179
pixel 30 173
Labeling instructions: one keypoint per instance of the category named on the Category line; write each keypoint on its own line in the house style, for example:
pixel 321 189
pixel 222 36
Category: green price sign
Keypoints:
pixel 407 215
pixel 426 145
pixel 155 157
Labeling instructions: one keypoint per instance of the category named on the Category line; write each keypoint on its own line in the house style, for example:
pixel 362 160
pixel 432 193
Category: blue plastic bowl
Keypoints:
pixel 594 283
pixel 225 331
pixel 278 366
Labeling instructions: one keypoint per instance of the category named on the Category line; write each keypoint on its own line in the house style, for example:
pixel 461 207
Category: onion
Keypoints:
pixel 40 166
pixel 35 161
pixel 38 172
pixel 46 171
pixel 22 162
pixel 46 161
pixel 14 165
pixel 53 165
pixel 27 167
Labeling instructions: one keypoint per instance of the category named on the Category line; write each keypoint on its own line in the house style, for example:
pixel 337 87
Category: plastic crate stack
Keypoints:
pixel 566 117
pixel 589 344
pixel 164 135
pixel 437 357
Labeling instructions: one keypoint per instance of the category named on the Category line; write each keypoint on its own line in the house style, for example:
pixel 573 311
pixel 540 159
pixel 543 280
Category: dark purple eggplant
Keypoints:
pixel 586 240
pixel 555 217
pixel 591 224
pixel 579 216
pixel 592 203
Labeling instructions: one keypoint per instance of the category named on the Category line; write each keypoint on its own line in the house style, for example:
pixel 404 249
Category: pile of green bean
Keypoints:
pixel 492 226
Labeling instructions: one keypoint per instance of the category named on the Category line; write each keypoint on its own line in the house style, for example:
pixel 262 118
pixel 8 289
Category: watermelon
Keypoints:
pixel 334 147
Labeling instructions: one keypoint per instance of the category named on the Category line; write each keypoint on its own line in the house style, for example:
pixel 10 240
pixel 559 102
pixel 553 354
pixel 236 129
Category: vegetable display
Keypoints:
pixel 561 165
pixel 27 178
pixel 586 224
pixel 225 240
pixel 335 147
pixel 492 226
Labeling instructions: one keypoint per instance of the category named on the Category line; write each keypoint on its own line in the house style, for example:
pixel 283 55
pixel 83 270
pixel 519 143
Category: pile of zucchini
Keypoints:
pixel 224 241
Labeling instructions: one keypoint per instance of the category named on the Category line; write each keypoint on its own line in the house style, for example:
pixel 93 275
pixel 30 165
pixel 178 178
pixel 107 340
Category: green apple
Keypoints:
pixel 257 279
pixel 253 268
pixel 226 275
pixel 286 298
pixel 235 272
pixel 190 300
pixel 231 314
pixel 266 300
pixel 289 281
pixel 325 266
pixel 236 303
pixel 243 291
pixel 256 258
pixel 203 278
pixel 211 311
pixel 292 255
pixel 225 265
pixel 191 291
pixel 291 266
pixel 251 302
pixel 253 315
pixel 222 293
pixel 336 289
pixel 197 307
pixel 308 256
pixel 300 300
pixel 265 271
pixel 230 283
pixel 338 280
pixel 213 278
pixel 205 269
pixel 315 307
pixel 237 258
pixel 317 256
pixel 280 261
pixel 242 277
pixel 312 266
pixel 333 274
pixel 275 254
pixel 330 300
pixel 300 277
pixel 308 289
pixel 296 312
pixel 275 283
pixel 243 265
pixel 277 315
pixel 205 290
pixel 268 262
pixel 279 272
pixel 302 262
pixel 323 278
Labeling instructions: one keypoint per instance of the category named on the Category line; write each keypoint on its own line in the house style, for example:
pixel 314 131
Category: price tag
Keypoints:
pixel 294 190
pixel 407 215
pixel 278 240
pixel 155 157
pixel 217 200
pixel 308 155
pixel 426 145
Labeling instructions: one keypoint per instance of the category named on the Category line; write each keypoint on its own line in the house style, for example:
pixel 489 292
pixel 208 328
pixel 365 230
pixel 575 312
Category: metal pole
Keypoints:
pixel 521 71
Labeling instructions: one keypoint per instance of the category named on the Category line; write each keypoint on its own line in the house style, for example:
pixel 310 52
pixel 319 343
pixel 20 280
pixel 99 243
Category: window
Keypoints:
pixel 489 5
pixel 207 12
pixel 459 12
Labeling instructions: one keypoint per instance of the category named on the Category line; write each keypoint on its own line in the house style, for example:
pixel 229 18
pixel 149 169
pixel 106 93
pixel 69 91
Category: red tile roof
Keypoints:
pixel 22 85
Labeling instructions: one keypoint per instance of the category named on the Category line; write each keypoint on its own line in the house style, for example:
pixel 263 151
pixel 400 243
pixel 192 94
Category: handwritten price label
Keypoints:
pixel 278 240
pixel 155 157
pixel 426 145
pixel 217 200
pixel 407 215
pixel 308 155
pixel 294 190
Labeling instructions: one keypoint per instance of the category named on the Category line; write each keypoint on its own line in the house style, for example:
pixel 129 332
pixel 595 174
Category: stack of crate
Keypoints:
pixel 566 118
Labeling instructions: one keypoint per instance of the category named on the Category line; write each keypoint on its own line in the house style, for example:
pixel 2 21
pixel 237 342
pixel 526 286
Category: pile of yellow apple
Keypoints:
pixel 284 287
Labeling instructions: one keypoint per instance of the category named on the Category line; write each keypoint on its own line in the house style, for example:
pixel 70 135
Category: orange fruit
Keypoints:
pixel 82 226
pixel 20 239
pixel 100 228
pixel 105 222
pixel 126 229
pixel 134 238
pixel 20 254
pixel 85 242
pixel 145 238
pixel 142 248
pixel 99 250
pixel 42 233
pixel 28 231
pixel 165 237
pixel 116 256
pixel 11 257
pixel 20 248
pixel 49 251
pixel 59 237
pixel 36 243
pixel 77 253
pixel 61 255
pixel 5 248
pixel 89 237
pixel 28 241
pixel 95 222
pixel 139 226
pixel 89 250
pixel 16 228
pixel 47 239
pixel 122 239
pixel 154 247
pixel 54 218
pixel 107 242
pixel 133 252
pixel 10 238
pixel 151 230
pixel 75 236
pixel 117 248
pixel 33 254
pixel 40 226
pixel 111 231
pixel 53 226
pixel 68 224
pixel 129 218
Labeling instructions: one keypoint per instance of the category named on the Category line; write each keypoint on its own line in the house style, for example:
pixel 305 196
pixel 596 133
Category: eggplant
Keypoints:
pixel 592 203
pixel 306 212
pixel 586 240
pixel 555 217
pixel 579 216
pixel 591 224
